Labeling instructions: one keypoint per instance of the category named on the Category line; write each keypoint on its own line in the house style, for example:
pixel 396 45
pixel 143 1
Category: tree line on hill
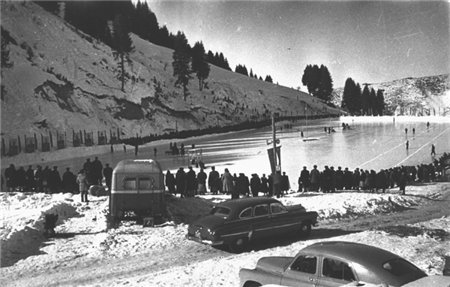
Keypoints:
pixel 242 69
pixel 362 102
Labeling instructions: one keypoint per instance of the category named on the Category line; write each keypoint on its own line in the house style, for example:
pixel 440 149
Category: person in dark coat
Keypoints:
pixel 314 178
pixel 191 183
pixel 10 177
pixel 214 181
pixel 89 171
pixel 170 182
pixel 69 181
pixel 284 185
pixel 97 169
pixel 38 179
pixel 107 173
pixel 180 179
pixel 29 179
pixel 339 177
pixel 54 182
pixel 264 185
pixel 21 178
pixel 401 182
pixel 255 184
pixel 46 174
pixel 201 182
pixel 303 180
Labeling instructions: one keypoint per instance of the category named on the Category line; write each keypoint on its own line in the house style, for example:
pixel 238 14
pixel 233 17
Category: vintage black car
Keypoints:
pixel 234 223
pixel 333 263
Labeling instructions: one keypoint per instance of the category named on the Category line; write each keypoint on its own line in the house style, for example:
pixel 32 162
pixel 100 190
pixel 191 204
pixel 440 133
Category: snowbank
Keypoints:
pixel 22 228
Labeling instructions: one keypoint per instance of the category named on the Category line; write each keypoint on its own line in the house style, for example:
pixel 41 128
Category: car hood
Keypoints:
pixel 209 221
pixel 275 264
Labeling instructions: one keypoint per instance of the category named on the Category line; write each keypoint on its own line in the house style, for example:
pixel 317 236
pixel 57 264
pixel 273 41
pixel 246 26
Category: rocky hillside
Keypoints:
pixel 59 79
pixel 413 96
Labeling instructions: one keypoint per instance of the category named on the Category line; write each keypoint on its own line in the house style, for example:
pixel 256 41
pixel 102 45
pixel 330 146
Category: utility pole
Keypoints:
pixel 274 141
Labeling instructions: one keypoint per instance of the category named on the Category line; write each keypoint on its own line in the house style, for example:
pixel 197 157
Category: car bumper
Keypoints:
pixel 204 241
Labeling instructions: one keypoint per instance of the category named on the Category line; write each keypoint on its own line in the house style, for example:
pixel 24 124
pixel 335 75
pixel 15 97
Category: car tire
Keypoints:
pixel 305 229
pixel 238 245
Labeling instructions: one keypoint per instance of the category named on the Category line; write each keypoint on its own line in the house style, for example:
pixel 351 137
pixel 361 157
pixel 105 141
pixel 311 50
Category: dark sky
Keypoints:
pixel 368 41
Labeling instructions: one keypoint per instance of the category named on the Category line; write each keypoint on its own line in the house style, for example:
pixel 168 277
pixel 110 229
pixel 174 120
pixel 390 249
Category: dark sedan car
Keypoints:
pixel 236 222
pixel 333 263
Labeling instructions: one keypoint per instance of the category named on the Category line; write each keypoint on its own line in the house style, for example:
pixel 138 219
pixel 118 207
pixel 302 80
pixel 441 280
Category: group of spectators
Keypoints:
pixel 190 183
pixel 50 181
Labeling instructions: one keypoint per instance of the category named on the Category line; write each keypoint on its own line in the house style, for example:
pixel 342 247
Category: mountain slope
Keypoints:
pixel 67 80
pixel 413 96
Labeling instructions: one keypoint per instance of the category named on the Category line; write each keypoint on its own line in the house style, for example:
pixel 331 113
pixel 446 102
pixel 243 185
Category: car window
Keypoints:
pixel 129 184
pixel 246 213
pixel 305 263
pixel 400 267
pixel 277 208
pixel 261 210
pixel 221 211
pixel 337 269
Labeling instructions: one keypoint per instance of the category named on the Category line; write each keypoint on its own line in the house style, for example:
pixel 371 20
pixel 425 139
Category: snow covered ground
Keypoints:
pixel 82 239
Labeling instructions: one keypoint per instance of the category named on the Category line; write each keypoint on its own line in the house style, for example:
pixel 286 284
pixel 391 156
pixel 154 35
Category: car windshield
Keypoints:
pixel 221 211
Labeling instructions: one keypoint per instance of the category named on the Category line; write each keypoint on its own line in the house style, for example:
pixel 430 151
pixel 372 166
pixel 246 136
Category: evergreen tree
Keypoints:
pixel 268 79
pixel 199 64
pixel 251 73
pixel 380 102
pixel 122 45
pixel 348 97
pixel 325 84
pixel 365 100
pixel 373 103
pixel 181 60
pixel 358 99
pixel 241 70
pixel 310 79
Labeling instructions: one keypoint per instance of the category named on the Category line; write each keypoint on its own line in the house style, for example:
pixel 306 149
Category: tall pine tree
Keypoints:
pixel 199 64
pixel 365 100
pixel 181 62
pixel 122 45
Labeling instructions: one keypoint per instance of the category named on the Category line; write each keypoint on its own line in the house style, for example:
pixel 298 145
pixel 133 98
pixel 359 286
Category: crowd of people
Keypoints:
pixel 49 180
pixel 189 184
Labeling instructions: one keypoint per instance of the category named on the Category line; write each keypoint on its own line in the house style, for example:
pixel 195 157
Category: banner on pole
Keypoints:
pixel 270 154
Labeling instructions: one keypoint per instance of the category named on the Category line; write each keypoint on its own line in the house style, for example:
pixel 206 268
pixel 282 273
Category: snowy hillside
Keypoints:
pixel 413 96
pixel 68 81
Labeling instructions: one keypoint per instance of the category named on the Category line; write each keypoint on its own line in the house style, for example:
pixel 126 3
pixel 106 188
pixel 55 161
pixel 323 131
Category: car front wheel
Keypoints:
pixel 305 229
pixel 238 245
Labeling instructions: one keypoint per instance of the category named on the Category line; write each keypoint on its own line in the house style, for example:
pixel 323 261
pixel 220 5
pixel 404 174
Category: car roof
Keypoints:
pixel 365 255
pixel 248 201
pixel 137 166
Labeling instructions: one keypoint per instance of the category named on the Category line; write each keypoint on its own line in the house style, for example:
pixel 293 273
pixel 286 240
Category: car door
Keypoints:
pixel 335 272
pixel 303 272
pixel 281 220
pixel 262 225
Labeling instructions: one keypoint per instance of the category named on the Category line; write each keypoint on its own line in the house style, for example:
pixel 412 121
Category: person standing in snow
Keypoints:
pixel 227 184
pixel 83 186
pixel 107 173
pixel 190 182
pixel 214 180
pixel 433 150
pixel 180 179
pixel 201 182
pixel 69 181
pixel 170 182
